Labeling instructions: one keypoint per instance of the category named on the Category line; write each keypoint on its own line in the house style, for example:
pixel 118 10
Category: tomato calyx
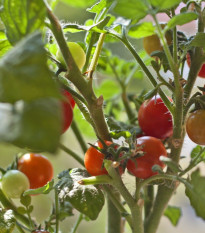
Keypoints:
pixel 97 153
pixel 146 155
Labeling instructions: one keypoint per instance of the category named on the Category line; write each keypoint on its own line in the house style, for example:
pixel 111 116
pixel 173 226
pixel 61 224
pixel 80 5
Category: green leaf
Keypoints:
pixel 164 4
pixel 170 163
pixel 34 126
pixel 25 200
pixel 42 190
pixel 5 46
pixel 24 73
pixel 22 17
pixel 119 126
pixel 108 89
pixel 116 135
pixel 79 3
pixel 98 27
pixel 21 210
pixel 100 6
pixel 132 9
pixel 196 195
pixel 181 19
pixel 142 30
pixel 88 199
pixel 7 221
pixel 198 40
pixel 65 210
pixel 173 213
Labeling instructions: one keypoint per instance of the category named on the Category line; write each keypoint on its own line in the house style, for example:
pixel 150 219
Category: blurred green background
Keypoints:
pixel 189 223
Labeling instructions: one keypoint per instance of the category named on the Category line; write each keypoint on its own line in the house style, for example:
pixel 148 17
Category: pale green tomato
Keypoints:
pixel 14 183
pixel 42 207
pixel 77 53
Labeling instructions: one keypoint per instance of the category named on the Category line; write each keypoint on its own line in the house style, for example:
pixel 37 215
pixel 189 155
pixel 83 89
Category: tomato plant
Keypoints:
pixel 107 78
pixel 77 53
pixel 152 43
pixel 14 183
pixel 152 148
pixel 195 126
pixel 67 108
pixel 37 168
pixel 155 119
pixel 201 73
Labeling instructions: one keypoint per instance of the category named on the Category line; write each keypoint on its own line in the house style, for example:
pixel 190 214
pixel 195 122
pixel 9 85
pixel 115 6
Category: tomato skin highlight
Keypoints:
pixel 153 148
pixel 67 110
pixel 195 126
pixel 93 160
pixel 155 119
pixel 14 183
pixel 201 73
pixel 37 168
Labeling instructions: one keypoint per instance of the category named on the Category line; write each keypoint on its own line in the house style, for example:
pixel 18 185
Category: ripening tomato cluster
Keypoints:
pixel 34 171
pixel 155 121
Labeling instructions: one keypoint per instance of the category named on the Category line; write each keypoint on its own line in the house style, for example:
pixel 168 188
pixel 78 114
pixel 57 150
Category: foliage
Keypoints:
pixel 107 94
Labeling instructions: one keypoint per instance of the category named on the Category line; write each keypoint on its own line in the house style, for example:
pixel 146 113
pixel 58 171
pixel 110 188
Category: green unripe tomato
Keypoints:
pixel 14 183
pixel 77 53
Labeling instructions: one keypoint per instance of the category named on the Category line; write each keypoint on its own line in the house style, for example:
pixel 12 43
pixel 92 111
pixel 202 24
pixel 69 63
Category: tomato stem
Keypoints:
pixel 8 205
pixel 72 153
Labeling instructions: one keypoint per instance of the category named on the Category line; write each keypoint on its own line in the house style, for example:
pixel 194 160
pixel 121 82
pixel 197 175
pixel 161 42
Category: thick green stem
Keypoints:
pixel 149 199
pixel 113 216
pixel 95 105
pixel 112 196
pixel 162 198
pixel 79 136
pixel 134 205
pixel 96 55
pixel 89 50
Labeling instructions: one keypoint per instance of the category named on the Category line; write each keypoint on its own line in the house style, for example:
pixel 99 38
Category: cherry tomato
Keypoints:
pixel 153 148
pixel 155 119
pixel 195 126
pixel 77 53
pixel 14 183
pixel 69 96
pixel 152 43
pixel 94 160
pixel 201 73
pixel 67 110
pixel 37 168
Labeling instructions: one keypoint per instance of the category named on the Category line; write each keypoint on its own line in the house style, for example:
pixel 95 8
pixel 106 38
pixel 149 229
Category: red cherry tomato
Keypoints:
pixel 94 160
pixel 67 110
pixel 153 148
pixel 37 168
pixel 195 126
pixel 155 119
pixel 201 73
pixel 69 96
